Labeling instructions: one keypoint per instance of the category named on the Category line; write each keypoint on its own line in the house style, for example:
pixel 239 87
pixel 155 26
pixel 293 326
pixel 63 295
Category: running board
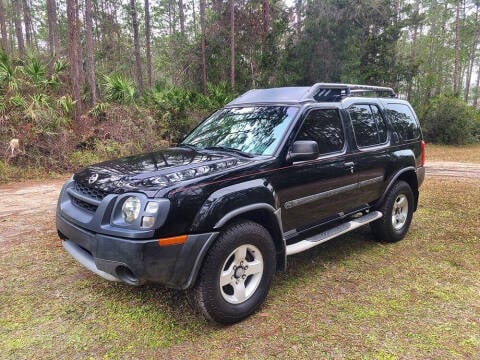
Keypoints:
pixel 332 233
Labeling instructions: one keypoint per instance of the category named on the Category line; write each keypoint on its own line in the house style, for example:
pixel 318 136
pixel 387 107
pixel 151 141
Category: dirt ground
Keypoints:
pixel 453 169
pixel 27 208
pixel 37 199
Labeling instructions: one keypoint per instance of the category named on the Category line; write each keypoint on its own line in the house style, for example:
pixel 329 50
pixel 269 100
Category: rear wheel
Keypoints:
pixel 236 274
pixel 397 210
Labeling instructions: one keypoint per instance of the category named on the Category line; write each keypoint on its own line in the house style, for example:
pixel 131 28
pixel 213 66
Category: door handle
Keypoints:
pixel 350 165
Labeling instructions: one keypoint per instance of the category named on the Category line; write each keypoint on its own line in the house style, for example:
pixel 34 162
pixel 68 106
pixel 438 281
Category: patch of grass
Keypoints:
pixel 466 153
pixel 10 173
pixel 348 298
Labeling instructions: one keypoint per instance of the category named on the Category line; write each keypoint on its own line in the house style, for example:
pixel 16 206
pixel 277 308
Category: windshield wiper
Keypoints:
pixel 229 149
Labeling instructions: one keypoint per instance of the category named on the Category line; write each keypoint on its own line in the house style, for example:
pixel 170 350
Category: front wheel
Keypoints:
pixel 236 274
pixel 397 210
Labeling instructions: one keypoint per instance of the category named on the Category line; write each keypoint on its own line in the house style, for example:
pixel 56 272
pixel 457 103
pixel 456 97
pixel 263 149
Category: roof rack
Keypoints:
pixel 332 92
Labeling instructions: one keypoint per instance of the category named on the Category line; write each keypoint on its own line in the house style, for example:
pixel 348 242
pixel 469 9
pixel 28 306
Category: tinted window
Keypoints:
pixel 368 125
pixel 381 127
pixel 403 121
pixel 325 127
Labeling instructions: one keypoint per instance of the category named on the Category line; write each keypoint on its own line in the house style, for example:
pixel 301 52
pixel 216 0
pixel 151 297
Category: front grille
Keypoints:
pixel 90 192
pixel 87 192
pixel 84 205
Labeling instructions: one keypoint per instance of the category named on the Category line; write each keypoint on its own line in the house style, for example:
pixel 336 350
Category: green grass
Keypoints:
pixel 15 173
pixel 349 298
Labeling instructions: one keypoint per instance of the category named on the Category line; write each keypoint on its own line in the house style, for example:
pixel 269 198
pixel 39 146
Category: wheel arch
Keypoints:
pixel 266 216
pixel 253 200
pixel 409 175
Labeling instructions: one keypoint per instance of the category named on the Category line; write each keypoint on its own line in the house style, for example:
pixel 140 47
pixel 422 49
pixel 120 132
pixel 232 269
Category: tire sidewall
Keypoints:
pixel 218 308
pixel 400 188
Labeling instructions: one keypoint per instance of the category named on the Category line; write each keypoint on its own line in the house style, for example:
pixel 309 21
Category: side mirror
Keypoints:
pixel 303 150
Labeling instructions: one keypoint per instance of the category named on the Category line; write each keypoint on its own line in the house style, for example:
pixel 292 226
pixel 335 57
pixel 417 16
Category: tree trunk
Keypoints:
pixel 10 30
pixel 298 13
pixel 170 21
pixel 28 23
pixel 181 14
pixel 18 27
pixel 52 27
pixel 457 41
pixel 475 97
pixel 73 52
pixel 194 14
pixel 232 45
pixel 136 47
pixel 90 47
pixel 147 44
pixel 3 28
pixel 204 57
pixel 473 51
pixel 266 17
pixel 413 52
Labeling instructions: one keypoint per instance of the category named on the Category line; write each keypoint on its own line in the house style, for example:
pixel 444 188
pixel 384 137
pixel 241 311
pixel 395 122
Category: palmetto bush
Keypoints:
pixel 35 71
pixel 36 108
pixel 119 88
pixel 7 74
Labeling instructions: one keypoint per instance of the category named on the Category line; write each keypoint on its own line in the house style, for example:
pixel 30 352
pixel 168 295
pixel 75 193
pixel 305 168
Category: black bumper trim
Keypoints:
pixel 86 259
pixel 174 266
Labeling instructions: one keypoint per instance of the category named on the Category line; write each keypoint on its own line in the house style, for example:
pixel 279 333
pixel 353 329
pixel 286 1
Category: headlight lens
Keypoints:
pixel 131 209
pixel 152 207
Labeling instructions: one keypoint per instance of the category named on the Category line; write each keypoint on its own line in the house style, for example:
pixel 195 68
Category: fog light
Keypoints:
pixel 152 207
pixel 148 221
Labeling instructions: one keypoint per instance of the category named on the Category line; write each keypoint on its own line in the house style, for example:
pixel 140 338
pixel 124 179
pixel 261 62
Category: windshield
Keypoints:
pixel 253 130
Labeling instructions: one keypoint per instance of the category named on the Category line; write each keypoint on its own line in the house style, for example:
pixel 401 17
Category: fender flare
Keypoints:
pixel 393 180
pixel 244 209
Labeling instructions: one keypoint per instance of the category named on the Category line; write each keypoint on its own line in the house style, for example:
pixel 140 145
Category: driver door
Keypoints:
pixel 312 191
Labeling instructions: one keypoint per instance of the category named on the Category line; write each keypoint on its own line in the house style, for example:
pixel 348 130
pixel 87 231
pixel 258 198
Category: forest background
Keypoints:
pixel 86 80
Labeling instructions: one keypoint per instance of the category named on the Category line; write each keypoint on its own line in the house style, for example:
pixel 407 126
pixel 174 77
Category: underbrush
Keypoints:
pixel 120 131
pixel 39 134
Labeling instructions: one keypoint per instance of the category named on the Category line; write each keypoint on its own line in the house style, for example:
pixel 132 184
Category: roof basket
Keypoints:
pixel 331 92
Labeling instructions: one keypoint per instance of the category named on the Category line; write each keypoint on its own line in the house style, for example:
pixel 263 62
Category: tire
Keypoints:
pixel 236 274
pixel 397 210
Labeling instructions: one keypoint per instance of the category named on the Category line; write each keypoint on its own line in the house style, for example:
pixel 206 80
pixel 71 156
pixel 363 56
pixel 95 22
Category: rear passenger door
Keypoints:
pixel 370 152
pixel 310 191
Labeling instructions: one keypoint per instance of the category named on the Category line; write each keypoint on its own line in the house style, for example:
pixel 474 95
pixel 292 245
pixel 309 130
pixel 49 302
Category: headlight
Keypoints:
pixel 131 209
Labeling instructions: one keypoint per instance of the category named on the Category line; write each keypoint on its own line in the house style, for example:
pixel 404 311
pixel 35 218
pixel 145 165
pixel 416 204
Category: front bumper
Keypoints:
pixel 136 261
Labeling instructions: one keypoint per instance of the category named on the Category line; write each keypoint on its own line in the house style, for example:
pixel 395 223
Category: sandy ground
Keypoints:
pixel 453 169
pixel 28 207
pixel 26 210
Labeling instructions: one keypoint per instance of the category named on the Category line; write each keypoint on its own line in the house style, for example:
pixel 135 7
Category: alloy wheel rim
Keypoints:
pixel 241 274
pixel 400 212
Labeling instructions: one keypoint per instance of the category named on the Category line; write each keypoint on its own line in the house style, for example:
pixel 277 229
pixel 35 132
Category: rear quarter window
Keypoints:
pixel 403 121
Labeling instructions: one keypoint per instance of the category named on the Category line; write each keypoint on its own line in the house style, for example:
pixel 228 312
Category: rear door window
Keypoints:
pixel 403 121
pixel 368 125
pixel 325 127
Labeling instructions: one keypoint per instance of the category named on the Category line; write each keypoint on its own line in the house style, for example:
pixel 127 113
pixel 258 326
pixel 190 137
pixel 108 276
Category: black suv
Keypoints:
pixel 275 172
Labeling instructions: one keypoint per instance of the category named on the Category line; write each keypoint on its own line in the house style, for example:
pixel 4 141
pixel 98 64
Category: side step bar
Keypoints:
pixel 332 233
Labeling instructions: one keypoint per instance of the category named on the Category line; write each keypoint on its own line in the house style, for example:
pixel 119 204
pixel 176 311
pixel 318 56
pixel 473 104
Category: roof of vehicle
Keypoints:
pixel 320 92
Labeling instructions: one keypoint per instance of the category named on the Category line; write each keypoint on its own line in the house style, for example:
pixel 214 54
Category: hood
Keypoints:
pixel 157 170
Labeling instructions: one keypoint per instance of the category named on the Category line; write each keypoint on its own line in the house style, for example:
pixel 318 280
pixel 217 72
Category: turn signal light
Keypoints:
pixel 176 240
